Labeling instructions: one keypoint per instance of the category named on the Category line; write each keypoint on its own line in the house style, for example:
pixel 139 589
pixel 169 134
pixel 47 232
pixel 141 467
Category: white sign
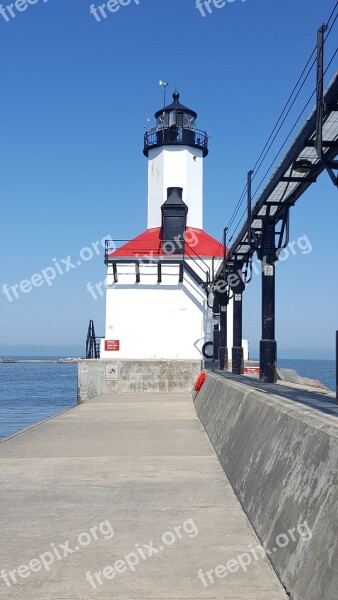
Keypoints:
pixel 112 373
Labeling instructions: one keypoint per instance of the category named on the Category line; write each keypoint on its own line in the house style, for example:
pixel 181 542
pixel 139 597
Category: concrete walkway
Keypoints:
pixel 142 466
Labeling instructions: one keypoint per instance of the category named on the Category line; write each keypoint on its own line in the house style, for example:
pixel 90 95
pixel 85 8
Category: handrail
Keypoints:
pixel 206 273
pixel 153 254
pixel 111 247
pixel 92 343
pixel 176 136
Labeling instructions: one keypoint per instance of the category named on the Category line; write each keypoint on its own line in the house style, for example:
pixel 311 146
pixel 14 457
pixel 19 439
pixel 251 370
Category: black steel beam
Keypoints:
pixel 295 180
pixel 216 343
pixel 216 331
pixel 115 273
pixel 268 344
pixel 181 273
pixel 326 144
pixel 237 349
pixel 223 342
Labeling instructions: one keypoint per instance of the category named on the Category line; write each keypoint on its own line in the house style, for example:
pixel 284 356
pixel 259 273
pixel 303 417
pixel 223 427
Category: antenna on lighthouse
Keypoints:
pixel 148 120
pixel 164 85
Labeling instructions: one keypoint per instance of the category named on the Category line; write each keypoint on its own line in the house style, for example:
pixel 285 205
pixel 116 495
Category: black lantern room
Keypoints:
pixel 175 125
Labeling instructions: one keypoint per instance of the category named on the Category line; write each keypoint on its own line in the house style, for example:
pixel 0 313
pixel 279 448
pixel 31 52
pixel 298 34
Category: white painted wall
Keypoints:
pixel 175 166
pixel 156 320
pixel 153 320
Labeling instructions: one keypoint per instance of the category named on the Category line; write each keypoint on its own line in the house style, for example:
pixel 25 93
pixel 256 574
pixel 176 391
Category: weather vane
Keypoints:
pixel 164 85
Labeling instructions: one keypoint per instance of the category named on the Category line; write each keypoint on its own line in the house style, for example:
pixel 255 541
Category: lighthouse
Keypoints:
pixel 176 152
pixel 158 300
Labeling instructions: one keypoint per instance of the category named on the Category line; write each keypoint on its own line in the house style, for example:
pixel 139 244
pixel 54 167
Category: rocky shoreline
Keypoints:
pixel 291 376
pixel 58 361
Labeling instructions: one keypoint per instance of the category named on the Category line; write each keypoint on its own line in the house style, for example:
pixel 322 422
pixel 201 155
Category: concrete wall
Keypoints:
pixel 135 376
pixel 281 459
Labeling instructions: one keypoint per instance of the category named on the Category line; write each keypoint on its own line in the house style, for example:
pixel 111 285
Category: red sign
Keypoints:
pixel 112 345
pixel 252 371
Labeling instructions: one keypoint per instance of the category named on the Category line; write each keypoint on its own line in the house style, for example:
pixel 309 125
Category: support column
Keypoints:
pixel 216 332
pixel 268 344
pixel 237 350
pixel 223 342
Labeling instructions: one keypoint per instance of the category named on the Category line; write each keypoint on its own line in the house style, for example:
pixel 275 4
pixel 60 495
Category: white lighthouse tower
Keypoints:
pixel 175 151
pixel 158 304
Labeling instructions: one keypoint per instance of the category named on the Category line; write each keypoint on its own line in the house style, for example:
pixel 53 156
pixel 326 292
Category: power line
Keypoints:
pixel 286 139
pixel 286 105
pixel 238 206
pixel 267 147
pixel 331 15
pixel 331 61
pixel 295 124
pixel 238 224
pixel 280 122
pixel 282 146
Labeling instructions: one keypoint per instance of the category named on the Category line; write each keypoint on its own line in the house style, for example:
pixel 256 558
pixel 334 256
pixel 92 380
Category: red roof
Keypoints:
pixel 149 243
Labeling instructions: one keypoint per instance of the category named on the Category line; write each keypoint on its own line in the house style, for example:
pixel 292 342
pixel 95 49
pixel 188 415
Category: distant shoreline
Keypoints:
pixel 65 361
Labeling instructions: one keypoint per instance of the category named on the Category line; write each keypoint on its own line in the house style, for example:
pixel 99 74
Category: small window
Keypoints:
pixel 163 120
pixel 179 120
pixel 172 119
pixel 188 121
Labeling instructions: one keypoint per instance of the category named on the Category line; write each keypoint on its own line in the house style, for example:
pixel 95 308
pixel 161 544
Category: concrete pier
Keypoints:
pixel 126 486
pixel 278 446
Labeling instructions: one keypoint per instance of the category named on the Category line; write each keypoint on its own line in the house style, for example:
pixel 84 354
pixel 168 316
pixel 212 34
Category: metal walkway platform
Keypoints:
pixel 126 487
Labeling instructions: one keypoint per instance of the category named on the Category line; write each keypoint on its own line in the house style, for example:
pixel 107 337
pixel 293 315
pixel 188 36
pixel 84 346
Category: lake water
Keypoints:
pixel 322 370
pixel 30 392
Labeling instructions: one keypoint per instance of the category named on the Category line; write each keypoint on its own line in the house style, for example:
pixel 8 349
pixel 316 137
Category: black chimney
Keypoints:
pixel 174 222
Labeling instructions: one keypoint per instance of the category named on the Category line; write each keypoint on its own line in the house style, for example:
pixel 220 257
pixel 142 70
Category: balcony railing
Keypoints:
pixel 181 136
pixel 148 253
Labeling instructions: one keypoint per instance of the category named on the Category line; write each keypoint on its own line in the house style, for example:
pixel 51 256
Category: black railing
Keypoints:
pixel 197 259
pixel 176 136
pixel 93 344
pixel 148 253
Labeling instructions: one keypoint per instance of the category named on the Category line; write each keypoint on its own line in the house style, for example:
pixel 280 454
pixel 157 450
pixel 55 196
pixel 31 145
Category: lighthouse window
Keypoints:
pixel 176 119
pixel 163 120
pixel 179 120
pixel 173 119
pixel 188 121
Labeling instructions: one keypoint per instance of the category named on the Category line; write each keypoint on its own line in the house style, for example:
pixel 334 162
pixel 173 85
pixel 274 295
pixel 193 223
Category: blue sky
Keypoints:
pixel 74 100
